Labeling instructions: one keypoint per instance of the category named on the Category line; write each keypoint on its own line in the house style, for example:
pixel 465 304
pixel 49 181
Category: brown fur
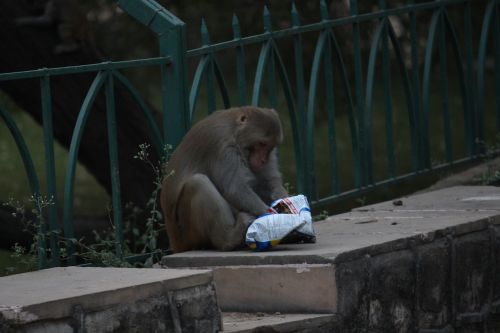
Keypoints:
pixel 225 173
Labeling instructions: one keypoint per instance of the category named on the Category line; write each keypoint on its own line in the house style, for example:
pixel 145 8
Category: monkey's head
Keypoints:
pixel 258 132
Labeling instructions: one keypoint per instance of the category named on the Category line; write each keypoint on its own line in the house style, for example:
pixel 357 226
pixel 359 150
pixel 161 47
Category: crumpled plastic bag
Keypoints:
pixel 288 221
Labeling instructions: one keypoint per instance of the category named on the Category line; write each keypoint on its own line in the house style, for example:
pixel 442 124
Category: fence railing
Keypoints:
pixel 361 112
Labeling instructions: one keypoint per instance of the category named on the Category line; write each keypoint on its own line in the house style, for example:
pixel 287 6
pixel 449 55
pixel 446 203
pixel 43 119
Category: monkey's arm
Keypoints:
pixel 232 177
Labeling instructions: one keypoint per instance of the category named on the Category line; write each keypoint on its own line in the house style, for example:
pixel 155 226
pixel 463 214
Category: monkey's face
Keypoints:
pixel 259 155
pixel 259 132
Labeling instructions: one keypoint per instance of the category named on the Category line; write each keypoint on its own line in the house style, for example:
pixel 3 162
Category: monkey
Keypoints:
pixel 223 175
pixel 72 25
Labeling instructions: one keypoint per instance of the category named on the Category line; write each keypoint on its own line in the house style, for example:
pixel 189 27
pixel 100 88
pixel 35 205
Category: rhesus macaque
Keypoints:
pixel 225 174
pixel 71 23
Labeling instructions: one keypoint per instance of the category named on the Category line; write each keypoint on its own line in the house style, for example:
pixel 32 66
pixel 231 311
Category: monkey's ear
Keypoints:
pixel 242 119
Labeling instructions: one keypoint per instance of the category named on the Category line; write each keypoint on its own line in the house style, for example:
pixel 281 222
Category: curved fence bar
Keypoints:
pixel 23 151
pixel 113 163
pixel 152 123
pixel 360 103
pixel 292 113
pixel 259 72
pixel 196 85
pixel 323 54
pixel 443 85
pixel 353 121
pixel 207 66
pixel 311 111
pixel 32 179
pixel 410 97
pixel 470 131
pixel 382 36
pixel 240 62
pixel 48 140
pixel 76 139
pixel 465 85
pixel 366 122
pixel 426 88
pixel 481 64
pixel 270 50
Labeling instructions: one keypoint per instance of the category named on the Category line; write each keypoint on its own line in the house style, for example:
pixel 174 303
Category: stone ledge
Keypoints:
pixel 106 299
pixel 372 229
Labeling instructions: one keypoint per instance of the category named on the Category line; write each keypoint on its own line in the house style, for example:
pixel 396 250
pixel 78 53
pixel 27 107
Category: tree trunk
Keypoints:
pixel 29 47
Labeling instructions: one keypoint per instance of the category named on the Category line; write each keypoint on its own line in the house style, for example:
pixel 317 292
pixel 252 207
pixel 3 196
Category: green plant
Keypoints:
pixel 101 252
pixel 492 174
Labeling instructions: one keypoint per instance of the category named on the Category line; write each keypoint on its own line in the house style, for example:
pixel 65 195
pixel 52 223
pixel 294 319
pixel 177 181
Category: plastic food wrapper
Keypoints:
pixel 288 221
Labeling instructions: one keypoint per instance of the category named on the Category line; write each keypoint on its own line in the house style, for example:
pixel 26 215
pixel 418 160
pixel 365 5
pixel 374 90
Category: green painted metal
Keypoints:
pixel 330 108
pixel 48 140
pixel 113 161
pixel 171 33
pixel 208 66
pixel 419 155
pixel 153 125
pixel 363 117
pixel 69 230
pixel 470 121
pixel 465 90
pixel 240 63
pixel 496 47
pixel 270 50
pixel 426 88
pixel 443 76
pixel 374 71
pixel 300 99
pixel 205 38
pixel 489 17
pixel 32 178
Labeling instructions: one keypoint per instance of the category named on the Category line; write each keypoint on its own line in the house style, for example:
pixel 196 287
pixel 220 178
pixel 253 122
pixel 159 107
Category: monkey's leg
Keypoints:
pixel 210 216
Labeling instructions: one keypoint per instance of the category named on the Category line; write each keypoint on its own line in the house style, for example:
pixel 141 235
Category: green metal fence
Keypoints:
pixel 346 88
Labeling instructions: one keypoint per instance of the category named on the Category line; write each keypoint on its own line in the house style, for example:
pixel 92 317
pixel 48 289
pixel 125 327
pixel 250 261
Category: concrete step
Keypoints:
pixel 237 322
pixel 427 261
pixel 77 299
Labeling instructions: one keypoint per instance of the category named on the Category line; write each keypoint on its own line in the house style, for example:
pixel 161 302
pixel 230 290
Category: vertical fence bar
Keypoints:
pixel 330 105
pixel 175 109
pixel 443 74
pixel 366 176
pixel 299 70
pixel 496 49
pixel 470 119
pixel 330 109
pixel 271 76
pixel 171 32
pixel 205 40
pixel 113 162
pixel 386 79
pixel 426 82
pixel 414 38
pixel 48 139
pixel 481 63
pixel 301 100
pixel 240 63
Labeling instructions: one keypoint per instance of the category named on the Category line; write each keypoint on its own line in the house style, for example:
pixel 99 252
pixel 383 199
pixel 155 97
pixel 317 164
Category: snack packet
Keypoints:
pixel 289 220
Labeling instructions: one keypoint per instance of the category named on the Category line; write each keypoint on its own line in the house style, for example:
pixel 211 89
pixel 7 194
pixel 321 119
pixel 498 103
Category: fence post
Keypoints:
pixel 171 34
